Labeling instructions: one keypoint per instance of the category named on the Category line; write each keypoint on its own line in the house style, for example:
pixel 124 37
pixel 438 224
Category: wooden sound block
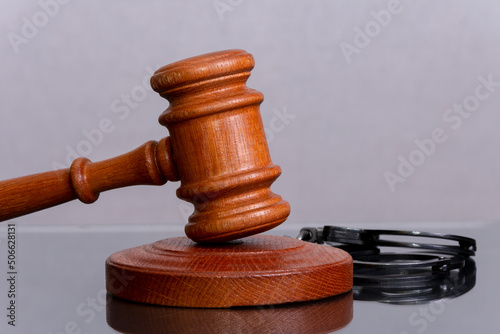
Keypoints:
pixel 258 270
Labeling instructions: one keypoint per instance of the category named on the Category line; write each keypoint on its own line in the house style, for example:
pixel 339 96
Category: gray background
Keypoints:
pixel 353 117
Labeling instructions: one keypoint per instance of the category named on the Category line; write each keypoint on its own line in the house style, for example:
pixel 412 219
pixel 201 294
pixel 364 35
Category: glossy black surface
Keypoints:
pixel 60 289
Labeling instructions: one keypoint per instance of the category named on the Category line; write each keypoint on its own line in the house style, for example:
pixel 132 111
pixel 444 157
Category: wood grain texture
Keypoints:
pixel 219 146
pixel 149 164
pixel 221 154
pixel 258 270
pixel 317 317
pixel 218 150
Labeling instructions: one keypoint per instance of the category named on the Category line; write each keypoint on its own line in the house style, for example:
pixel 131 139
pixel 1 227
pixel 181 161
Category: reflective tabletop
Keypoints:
pixel 53 283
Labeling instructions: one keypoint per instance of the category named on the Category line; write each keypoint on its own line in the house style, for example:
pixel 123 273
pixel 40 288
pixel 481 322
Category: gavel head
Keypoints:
pixel 219 146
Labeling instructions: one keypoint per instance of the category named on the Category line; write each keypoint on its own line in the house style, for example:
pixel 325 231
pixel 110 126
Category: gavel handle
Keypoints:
pixel 149 164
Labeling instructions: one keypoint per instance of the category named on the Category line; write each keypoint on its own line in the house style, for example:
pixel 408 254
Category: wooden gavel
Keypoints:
pixel 217 148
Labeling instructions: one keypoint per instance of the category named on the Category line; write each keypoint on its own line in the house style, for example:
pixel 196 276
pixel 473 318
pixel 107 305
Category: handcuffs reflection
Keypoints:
pixel 134 318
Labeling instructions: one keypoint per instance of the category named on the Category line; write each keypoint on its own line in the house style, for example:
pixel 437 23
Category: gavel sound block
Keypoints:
pixel 218 150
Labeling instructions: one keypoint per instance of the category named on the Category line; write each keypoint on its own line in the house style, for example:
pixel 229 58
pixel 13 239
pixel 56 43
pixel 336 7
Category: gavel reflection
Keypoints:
pixel 323 316
pixel 217 149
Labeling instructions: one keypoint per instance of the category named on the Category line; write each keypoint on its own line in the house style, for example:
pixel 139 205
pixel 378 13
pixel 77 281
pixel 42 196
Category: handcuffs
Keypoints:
pixel 423 271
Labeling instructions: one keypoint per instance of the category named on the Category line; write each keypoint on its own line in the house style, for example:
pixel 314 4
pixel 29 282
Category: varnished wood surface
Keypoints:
pixel 219 146
pixel 221 153
pixel 258 270
pixel 317 317
pixel 218 150
pixel 149 164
